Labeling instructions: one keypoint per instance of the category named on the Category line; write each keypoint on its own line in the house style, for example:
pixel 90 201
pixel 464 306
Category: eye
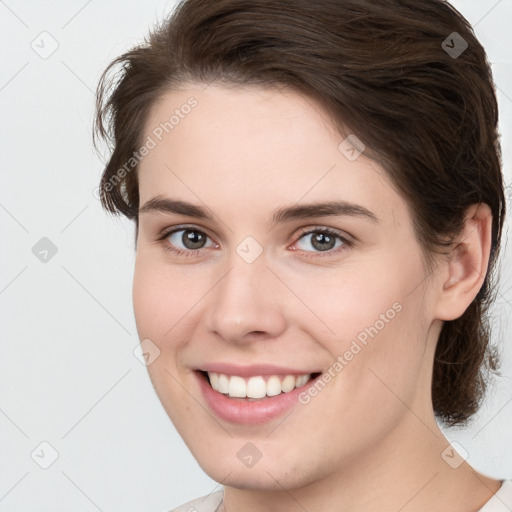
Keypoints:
pixel 185 241
pixel 189 241
pixel 324 240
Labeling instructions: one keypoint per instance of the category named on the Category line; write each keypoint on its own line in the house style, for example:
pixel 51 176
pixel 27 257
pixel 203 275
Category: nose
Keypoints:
pixel 245 304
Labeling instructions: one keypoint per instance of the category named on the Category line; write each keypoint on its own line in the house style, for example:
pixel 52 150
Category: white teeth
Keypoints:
pixel 237 387
pixel 301 380
pixel 223 386
pixel 214 379
pixel 288 383
pixel 273 386
pixel 255 387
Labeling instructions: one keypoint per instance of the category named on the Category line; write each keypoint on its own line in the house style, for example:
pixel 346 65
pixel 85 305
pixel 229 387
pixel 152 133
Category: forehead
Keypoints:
pixel 257 147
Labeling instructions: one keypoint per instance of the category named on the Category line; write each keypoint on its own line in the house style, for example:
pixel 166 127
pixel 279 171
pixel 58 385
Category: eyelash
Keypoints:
pixel 194 252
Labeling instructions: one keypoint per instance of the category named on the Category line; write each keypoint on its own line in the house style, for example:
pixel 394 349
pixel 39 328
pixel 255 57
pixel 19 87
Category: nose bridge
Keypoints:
pixel 246 297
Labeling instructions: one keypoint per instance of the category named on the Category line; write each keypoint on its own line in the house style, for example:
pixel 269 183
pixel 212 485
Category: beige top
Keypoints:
pixel 500 502
pixel 208 503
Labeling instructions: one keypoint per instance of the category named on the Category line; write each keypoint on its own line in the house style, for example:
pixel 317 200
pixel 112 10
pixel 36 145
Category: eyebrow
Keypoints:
pixel 280 215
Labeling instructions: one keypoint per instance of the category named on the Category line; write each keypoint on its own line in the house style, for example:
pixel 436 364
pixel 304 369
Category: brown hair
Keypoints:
pixel 393 71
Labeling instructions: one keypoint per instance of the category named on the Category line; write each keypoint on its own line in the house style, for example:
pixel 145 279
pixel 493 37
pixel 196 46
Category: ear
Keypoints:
pixel 466 264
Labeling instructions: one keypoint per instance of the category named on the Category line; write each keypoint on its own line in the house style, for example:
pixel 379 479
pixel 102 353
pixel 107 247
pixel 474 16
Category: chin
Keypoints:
pixel 269 476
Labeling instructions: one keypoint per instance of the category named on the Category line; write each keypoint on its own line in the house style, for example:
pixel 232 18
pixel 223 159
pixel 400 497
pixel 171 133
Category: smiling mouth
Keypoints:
pixel 258 387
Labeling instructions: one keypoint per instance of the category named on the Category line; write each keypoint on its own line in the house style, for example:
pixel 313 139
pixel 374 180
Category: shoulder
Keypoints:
pixel 501 501
pixel 208 503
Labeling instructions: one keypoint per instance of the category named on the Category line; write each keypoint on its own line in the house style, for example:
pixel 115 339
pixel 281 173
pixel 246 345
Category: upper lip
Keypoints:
pixel 252 370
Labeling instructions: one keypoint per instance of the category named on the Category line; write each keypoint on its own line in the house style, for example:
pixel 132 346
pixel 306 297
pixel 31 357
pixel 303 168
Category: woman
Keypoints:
pixel 318 201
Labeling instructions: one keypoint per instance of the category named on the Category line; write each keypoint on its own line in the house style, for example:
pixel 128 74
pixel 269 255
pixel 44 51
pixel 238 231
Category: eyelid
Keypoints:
pixel 168 230
pixel 319 228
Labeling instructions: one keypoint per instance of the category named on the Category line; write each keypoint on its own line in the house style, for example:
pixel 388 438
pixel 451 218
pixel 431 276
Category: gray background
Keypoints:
pixel 68 373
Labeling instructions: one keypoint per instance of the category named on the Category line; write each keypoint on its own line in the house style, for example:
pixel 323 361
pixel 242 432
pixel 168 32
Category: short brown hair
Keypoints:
pixel 386 69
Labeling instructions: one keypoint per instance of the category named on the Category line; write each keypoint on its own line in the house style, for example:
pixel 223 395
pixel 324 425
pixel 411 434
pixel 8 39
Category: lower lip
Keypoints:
pixel 241 411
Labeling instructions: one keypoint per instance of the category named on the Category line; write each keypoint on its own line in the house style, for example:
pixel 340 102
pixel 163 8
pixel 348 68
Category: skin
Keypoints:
pixel 369 440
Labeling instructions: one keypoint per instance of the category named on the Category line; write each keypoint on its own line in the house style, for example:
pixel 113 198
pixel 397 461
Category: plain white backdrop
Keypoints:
pixel 68 374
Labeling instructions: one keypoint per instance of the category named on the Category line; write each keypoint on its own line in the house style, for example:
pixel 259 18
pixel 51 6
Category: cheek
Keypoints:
pixel 158 300
pixel 356 302
pixel 377 329
pixel 166 305
pixel 376 381
pixel 158 307
pixel 146 296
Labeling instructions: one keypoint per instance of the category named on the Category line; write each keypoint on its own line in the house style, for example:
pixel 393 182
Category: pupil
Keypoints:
pixel 192 238
pixel 323 241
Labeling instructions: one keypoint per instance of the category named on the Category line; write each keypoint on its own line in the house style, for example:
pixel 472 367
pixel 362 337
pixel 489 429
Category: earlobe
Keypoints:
pixel 467 264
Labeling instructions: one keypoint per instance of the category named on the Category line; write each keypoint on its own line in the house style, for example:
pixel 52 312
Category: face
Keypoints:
pixel 253 289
